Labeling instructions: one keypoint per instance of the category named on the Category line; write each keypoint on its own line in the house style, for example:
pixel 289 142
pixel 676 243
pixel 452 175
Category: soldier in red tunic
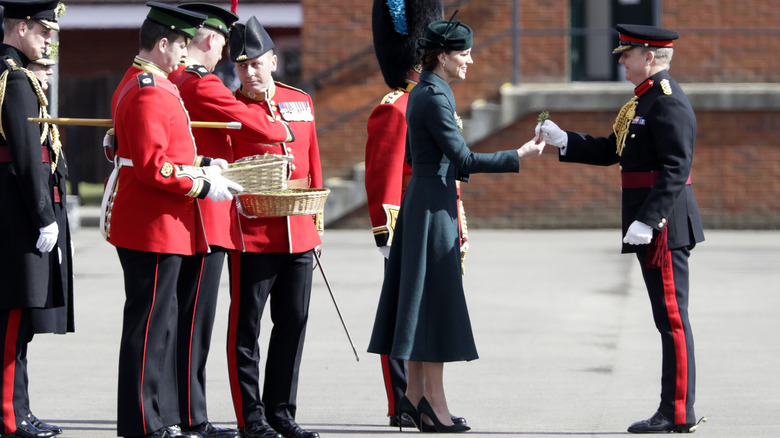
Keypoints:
pixel 150 215
pixel 387 172
pixel 278 259
pixel 208 99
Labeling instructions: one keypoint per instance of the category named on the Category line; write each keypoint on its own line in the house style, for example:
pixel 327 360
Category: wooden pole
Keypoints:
pixel 109 123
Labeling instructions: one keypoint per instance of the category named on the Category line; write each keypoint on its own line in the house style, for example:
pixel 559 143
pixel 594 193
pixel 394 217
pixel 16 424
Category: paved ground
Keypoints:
pixel 565 335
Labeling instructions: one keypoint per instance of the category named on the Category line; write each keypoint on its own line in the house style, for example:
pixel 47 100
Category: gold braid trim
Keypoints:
pixel 622 122
pixel 3 82
pixel 43 102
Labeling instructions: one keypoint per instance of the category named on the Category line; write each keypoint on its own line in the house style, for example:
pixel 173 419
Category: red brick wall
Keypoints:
pixel 718 43
pixel 721 41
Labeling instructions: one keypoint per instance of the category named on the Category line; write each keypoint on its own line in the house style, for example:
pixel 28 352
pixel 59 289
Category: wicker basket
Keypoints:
pixel 290 202
pixel 259 173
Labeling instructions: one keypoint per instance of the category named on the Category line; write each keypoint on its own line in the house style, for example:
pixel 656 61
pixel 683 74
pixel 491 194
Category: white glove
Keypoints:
pixel 219 162
pixel 639 233
pixel 48 237
pixel 221 186
pixel 464 247
pixel 553 135
pixel 385 250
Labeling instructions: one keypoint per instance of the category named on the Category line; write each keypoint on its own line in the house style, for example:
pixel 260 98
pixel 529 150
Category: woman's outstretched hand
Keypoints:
pixel 535 146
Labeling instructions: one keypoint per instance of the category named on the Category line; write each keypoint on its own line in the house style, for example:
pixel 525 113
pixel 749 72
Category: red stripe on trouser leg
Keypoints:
pixel 391 401
pixel 9 369
pixel 189 347
pixel 678 335
pixel 146 340
pixel 235 388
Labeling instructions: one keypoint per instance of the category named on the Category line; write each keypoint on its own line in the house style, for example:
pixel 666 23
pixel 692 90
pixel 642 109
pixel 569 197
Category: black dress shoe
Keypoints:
pixel 260 429
pixel 406 421
pixel 32 419
pixel 175 432
pixel 290 429
pixel 658 423
pixel 459 420
pixel 207 430
pixel 27 430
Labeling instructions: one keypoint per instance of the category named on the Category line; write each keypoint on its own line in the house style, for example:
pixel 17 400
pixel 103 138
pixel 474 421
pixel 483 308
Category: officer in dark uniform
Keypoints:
pixel 34 260
pixel 653 140
pixel 387 174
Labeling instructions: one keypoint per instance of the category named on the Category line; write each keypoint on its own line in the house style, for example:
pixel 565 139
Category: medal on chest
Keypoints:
pixel 296 111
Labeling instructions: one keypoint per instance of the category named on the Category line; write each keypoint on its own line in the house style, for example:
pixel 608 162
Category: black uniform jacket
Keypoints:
pixel 25 191
pixel 661 138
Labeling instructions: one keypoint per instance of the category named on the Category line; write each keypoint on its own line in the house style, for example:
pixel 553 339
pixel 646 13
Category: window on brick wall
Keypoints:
pixel 593 35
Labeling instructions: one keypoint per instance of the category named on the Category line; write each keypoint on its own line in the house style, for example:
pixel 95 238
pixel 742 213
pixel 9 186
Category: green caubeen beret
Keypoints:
pixel 42 11
pixel 217 18
pixel 447 35
pixel 180 20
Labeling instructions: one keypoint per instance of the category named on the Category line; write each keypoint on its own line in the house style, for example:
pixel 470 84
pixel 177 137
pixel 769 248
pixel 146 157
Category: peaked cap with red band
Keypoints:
pixel 639 35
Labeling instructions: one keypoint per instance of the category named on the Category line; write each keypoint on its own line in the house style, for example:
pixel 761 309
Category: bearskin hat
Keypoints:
pixel 397 26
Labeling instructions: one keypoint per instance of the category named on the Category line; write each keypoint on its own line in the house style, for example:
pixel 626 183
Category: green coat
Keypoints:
pixel 422 313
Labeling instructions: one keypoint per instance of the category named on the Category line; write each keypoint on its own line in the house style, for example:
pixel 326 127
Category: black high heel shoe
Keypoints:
pixel 424 408
pixel 405 406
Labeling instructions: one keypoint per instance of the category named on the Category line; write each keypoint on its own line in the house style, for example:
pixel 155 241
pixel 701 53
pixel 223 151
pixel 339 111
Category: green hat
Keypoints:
pixel 179 20
pixel 218 18
pixel 42 11
pixel 447 35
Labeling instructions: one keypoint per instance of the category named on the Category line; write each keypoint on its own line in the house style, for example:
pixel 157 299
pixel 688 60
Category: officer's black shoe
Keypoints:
pixel 658 423
pixel 207 430
pixel 459 420
pixel 260 429
pixel 176 432
pixel 27 430
pixel 163 432
pixel 290 429
pixel 32 419
pixel 406 421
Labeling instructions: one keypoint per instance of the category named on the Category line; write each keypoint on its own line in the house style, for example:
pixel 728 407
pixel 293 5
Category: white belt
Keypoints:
pixel 109 192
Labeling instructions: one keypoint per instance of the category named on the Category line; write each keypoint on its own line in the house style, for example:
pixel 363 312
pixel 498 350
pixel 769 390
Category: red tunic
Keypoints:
pixel 207 99
pixel 386 167
pixel 387 172
pixel 291 234
pixel 154 206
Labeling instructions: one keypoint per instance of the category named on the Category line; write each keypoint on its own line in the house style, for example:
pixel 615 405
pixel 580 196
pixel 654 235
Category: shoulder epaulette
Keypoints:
pixel 198 70
pixel 146 79
pixel 279 84
pixel 392 96
pixel 11 64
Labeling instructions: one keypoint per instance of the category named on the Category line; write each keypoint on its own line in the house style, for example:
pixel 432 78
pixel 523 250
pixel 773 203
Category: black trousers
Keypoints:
pixel 394 376
pixel 147 391
pixel 15 333
pixel 667 288
pixel 286 278
pixel 198 288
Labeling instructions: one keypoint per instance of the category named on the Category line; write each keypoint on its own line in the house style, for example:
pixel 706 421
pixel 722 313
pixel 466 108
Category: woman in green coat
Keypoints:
pixel 422 315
